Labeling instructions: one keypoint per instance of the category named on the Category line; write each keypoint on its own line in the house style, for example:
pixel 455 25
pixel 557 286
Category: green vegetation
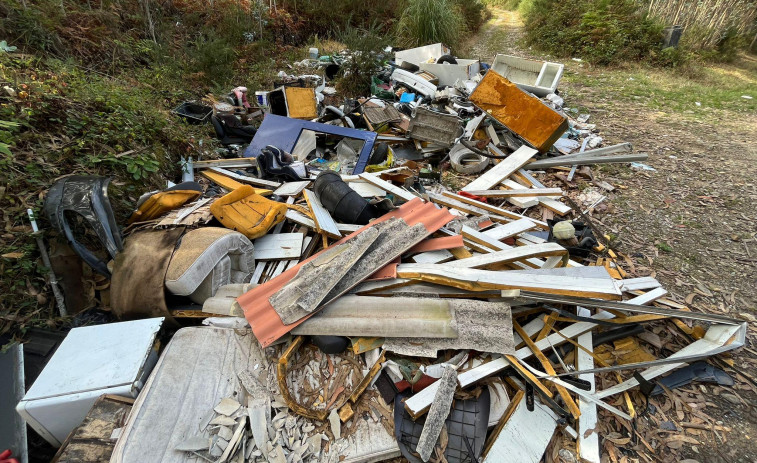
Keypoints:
pixel 716 87
pixel 599 31
pixel 615 31
pixel 430 21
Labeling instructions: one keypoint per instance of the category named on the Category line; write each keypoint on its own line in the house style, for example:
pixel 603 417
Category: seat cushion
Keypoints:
pixel 218 255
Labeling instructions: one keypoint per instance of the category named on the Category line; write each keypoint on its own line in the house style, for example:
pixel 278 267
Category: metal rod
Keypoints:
pixel 59 299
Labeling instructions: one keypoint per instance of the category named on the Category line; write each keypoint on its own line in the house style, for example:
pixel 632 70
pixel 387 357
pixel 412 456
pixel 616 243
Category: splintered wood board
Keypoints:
pixel 278 246
pixel 323 220
pixel 502 170
pixel 524 436
pixel 291 188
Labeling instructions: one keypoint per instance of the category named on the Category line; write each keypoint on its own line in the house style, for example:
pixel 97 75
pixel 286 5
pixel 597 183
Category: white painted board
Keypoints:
pixel 278 246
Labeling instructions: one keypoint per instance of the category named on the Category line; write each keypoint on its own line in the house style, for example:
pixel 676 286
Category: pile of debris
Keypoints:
pixel 357 308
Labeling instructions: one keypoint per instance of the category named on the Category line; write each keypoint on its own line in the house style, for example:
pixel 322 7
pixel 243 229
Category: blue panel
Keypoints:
pixel 283 132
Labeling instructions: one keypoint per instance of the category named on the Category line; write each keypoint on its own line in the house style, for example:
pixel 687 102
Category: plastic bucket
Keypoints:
pixel 262 99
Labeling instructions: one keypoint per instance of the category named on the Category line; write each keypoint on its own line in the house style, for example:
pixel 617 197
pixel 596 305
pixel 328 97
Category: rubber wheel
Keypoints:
pixel 446 59
pixel 409 67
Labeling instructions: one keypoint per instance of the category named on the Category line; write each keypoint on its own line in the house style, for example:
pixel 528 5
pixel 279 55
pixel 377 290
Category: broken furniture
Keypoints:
pixel 87 197
pixel 526 116
pixel 206 259
pixel 229 140
pixel 93 440
pixel 284 133
pixel 115 358
pixel 537 77
pixel 294 102
pixel 154 205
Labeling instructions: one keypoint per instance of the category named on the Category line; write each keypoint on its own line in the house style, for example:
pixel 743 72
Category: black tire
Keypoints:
pixel 446 59
pixel 409 67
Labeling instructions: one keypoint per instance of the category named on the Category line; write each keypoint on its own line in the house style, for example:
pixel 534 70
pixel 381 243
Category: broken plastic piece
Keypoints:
pixel 86 196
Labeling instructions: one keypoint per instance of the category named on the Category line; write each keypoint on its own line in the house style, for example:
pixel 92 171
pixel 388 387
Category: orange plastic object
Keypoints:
pixel 263 319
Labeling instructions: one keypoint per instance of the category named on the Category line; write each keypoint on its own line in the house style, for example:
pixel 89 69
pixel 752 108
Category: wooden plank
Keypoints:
pixel 553 205
pixel 323 221
pixel 388 186
pixel 518 192
pixel 567 399
pixel 476 239
pixel 277 247
pixel 229 183
pixel 509 255
pixel 502 170
pixel 479 280
pixel 291 188
pixel 231 162
pixel 502 232
pixel 641 283
pixel 301 219
pixel 523 202
pixel 588 437
pixel 490 208
pixel 245 178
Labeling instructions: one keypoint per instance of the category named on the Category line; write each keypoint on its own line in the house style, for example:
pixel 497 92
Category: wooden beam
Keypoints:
pixel 501 171
pixel 509 255
pixel 323 220
pixel 480 280
pixel 518 192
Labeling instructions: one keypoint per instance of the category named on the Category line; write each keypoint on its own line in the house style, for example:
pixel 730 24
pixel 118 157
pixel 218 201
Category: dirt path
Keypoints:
pixel 691 223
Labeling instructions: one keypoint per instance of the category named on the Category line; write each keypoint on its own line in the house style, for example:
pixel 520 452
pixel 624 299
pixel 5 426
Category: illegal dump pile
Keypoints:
pixel 356 308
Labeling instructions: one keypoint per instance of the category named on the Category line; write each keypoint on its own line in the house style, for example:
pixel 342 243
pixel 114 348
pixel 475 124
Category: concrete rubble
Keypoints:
pixel 424 303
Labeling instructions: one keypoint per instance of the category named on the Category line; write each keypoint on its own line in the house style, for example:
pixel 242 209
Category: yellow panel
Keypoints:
pixel 525 115
pixel 301 102
pixel 229 183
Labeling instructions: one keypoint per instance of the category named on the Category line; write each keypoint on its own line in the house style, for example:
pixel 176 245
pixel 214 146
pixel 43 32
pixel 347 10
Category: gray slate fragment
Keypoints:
pixel 395 237
pixel 482 326
pixel 227 406
pixel 194 443
pixel 336 424
pixel 303 293
pixel 438 413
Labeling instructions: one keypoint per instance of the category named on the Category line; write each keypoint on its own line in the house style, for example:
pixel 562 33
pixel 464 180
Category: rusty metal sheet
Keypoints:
pixel 266 323
pixel 536 123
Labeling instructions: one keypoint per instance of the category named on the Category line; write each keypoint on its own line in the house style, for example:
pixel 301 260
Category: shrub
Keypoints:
pixel 365 46
pixel 429 21
pixel 473 13
pixel 599 31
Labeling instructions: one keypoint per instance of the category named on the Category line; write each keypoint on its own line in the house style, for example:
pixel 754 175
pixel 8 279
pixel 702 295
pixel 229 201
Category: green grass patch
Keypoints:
pixel 715 87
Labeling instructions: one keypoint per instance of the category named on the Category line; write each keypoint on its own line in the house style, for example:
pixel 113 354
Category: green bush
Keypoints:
pixel 599 31
pixel 430 21
pixel 473 13
pixel 366 46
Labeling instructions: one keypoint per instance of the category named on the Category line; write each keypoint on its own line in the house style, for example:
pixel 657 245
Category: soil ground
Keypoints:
pixel 691 222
